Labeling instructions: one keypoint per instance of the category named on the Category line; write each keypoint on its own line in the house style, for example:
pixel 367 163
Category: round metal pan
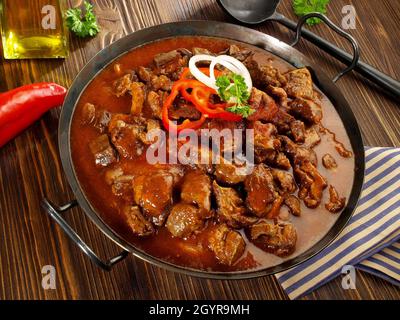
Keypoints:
pixel 220 30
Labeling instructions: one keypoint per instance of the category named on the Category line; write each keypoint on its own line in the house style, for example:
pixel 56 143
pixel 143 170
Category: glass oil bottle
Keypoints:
pixel 33 29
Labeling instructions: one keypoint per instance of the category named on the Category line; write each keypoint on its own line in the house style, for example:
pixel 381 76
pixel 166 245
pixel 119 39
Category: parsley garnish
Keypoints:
pixel 302 7
pixel 82 25
pixel 232 88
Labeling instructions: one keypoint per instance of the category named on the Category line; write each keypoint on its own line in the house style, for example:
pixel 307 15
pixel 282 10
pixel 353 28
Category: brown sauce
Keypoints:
pixel 339 146
pixel 311 226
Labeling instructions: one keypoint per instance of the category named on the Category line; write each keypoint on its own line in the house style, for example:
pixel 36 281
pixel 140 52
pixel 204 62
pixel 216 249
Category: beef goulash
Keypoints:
pixel 209 216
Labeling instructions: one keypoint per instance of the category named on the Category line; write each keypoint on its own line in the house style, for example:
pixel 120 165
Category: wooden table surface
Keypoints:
pixel 30 166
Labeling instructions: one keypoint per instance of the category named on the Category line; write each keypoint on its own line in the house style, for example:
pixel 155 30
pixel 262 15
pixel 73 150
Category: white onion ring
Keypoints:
pixel 223 62
pixel 228 62
pixel 197 73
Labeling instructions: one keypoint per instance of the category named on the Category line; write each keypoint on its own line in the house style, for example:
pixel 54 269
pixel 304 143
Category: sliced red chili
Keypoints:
pixel 186 124
pixel 199 96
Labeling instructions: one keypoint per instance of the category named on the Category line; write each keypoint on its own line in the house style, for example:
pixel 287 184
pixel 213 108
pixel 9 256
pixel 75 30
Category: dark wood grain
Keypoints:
pixel 30 166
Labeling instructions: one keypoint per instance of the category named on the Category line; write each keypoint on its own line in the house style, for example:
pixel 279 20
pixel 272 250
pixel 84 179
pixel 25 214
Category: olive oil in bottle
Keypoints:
pixel 33 29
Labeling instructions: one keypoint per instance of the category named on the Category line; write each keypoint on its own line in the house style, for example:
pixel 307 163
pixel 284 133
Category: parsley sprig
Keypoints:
pixel 233 89
pixel 82 25
pixel 303 7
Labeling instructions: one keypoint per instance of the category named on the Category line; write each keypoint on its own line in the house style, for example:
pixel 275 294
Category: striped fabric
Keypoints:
pixel 369 241
pixel 385 263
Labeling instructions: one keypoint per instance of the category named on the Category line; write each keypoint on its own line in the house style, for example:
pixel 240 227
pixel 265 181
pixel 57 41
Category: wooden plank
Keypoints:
pixel 30 167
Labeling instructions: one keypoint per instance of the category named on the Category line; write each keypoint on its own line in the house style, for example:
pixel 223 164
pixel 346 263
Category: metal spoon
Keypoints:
pixel 257 11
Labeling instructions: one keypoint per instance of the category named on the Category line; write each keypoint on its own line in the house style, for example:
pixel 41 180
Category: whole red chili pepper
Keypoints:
pixel 22 106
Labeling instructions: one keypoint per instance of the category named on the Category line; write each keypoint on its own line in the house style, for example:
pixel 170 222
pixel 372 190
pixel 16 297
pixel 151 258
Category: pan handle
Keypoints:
pixel 334 27
pixel 55 212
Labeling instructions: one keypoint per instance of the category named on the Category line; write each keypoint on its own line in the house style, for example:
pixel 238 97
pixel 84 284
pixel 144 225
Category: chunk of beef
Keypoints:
pixel 164 58
pixel 88 113
pixel 296 153
pixel 171 63
pixel 174 70
pixel 228 245
pixel 196 190
pixel 278 238
pixel 230 172
pixel 298 131
pixel 153 193
pixel 197 155
pixel 183 110
pixel 160 82
pixel 138 96
pixel 231 208
pixel 328 161
pixel 238 53
pixel 266 142
pixel 154 104
pixel 280 94
pixel 144 74
pixel 102 150
pixel 311 184
pixel 288 125
pixel 336 203
pixel 264 76
pixel 281 161
pixel 153 81
pixel 121 184
pixel 306 110
pixel 220 124
pixel 225 136
pixel 125 139
pixel 150 124
pixel 293 203
pixel 254 70
pixel 118 118
pixel 177 172
pixel 185 52
pixel 122 85
pixel 137 223
pixel 198 50
pixel 183 220
pixel 312 138
pixel 263 105
pixel 276 208
pixel 128 134
pixel 284 180
pixel 270 76
pixel 261 192
pixel 97 118
pixel 282 120
pixel 205 159
pixel 299 84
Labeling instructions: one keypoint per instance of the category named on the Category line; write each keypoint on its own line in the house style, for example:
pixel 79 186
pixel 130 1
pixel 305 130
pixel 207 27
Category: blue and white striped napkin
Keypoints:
pixel 370 241
pixel 384 264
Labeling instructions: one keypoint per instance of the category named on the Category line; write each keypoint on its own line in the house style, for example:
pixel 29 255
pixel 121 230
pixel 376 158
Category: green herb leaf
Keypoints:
pixel 243 110
pixel 303 7
pixel 232 88
pixel 82 25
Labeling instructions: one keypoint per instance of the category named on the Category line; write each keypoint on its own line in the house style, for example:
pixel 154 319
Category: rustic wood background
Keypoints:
pixel 30 167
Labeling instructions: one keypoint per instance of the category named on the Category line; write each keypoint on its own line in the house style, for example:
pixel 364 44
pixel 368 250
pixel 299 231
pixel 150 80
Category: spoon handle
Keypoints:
pixel 369 72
